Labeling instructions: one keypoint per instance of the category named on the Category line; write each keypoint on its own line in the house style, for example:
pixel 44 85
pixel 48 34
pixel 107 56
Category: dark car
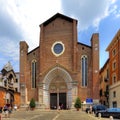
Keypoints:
pixel 96 108
pixel 114 112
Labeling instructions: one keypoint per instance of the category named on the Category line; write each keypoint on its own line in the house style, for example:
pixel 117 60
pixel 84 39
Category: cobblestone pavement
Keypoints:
pixel 51 115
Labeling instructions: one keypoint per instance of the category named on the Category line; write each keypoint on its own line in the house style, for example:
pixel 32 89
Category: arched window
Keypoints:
pixel 34 74
pixel 84 64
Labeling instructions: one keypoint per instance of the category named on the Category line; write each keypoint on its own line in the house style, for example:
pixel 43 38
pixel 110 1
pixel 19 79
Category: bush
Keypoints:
pixel 32 103
pixel 77 103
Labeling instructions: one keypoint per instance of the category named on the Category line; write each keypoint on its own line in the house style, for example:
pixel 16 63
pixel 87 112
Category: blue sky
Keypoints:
pixel 20 19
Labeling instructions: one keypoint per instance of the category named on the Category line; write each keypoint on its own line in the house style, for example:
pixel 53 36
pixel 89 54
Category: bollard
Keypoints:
pixel 111 117
pixel 99 115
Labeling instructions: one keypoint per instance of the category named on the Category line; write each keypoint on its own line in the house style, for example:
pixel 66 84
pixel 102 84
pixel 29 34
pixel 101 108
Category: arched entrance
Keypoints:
pixel 9 98
pixel 57 88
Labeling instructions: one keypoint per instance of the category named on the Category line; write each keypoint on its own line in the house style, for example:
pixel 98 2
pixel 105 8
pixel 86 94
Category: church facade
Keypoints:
pixel 60 69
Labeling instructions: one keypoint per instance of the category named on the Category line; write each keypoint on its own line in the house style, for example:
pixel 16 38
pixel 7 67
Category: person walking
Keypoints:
pixel 5 109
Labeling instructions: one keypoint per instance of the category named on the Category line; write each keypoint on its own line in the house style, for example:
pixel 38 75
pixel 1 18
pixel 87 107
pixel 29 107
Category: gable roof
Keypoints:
pixel 116 37
pixel 8 67
pixel 58 15
pixel 79 43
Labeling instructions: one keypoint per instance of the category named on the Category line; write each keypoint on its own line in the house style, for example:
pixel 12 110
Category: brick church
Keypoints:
pixel 61 68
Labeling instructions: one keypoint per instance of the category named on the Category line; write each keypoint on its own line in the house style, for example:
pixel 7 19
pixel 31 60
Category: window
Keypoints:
pixel 84 70
pixel 114 78
pixel 114 52
pixel 16 89
pixel 34 74
pixel 107 74
pixel 107 87
pixel 101 92
pixel 114 65
pixel 114 104
pixel 114 94
pixel 16 80
pixel 58 48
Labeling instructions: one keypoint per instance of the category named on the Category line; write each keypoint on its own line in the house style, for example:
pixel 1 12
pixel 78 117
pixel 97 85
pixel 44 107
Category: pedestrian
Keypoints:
pixel 9 111
pixel 28 107
pixel 15 107
pixel 67 107
pixel 0 116
pixel 5 109
pixel 91 109
pixel 1 109
pixel 61 106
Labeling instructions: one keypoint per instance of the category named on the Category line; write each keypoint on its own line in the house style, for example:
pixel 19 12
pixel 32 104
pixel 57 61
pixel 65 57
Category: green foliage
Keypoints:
pixel 77 103
pixel 32 103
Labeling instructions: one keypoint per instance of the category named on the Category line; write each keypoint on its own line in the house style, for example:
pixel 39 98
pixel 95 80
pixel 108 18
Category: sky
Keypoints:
pixel 20 20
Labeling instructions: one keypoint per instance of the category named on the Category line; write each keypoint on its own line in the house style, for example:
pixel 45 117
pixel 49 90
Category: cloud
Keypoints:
pixel 9 51
pixel 88 12
pixel 8 26
pixel 10 34
pixel 10 48
pixel 19 20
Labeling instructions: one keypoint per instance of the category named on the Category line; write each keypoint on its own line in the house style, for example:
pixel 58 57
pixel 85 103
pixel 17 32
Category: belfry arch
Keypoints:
pixel 57 81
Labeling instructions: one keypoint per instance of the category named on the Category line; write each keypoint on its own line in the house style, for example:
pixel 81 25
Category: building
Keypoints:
pixel 104 84
pixel 114 70
pixel 60 68
pixel 9 86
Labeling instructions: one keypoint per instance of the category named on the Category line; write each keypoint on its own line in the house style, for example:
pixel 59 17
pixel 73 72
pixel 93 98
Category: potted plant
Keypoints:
pixel 77 104
pixel 32 104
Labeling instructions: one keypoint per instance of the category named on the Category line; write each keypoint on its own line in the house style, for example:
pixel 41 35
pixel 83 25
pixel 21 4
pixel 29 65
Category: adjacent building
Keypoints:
pixel 9 86
pixel 61 68
pixel 104 84
pixel 114 71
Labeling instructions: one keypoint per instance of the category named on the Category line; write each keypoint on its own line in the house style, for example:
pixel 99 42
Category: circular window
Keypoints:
pixel 58 48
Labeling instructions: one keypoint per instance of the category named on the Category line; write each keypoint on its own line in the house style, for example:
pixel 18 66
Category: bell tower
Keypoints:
pixel 95 65
pixel 23 70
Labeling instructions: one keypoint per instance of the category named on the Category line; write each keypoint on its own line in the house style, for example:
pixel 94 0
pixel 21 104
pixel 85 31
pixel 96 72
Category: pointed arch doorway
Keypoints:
pixel 57 88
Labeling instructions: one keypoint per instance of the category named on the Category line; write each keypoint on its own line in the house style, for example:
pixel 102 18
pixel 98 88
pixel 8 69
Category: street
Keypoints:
pixel 51 115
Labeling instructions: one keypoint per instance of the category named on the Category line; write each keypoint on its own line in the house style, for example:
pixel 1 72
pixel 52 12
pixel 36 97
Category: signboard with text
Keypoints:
pixel 89 100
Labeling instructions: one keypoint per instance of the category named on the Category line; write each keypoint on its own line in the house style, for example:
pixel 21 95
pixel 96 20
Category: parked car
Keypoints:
pixel 96 108
pixel 114 112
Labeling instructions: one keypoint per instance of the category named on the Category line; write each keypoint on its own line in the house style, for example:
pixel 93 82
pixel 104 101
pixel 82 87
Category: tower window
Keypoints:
pixel 84 70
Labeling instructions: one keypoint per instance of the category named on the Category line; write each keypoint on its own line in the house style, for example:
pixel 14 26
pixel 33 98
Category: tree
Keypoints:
pixel 32 103
pixel 77 104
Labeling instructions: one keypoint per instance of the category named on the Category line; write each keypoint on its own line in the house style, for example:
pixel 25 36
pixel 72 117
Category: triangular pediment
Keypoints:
pixel 58 15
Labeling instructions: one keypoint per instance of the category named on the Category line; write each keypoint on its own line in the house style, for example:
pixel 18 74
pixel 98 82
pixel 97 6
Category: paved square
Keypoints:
pixel 50 115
